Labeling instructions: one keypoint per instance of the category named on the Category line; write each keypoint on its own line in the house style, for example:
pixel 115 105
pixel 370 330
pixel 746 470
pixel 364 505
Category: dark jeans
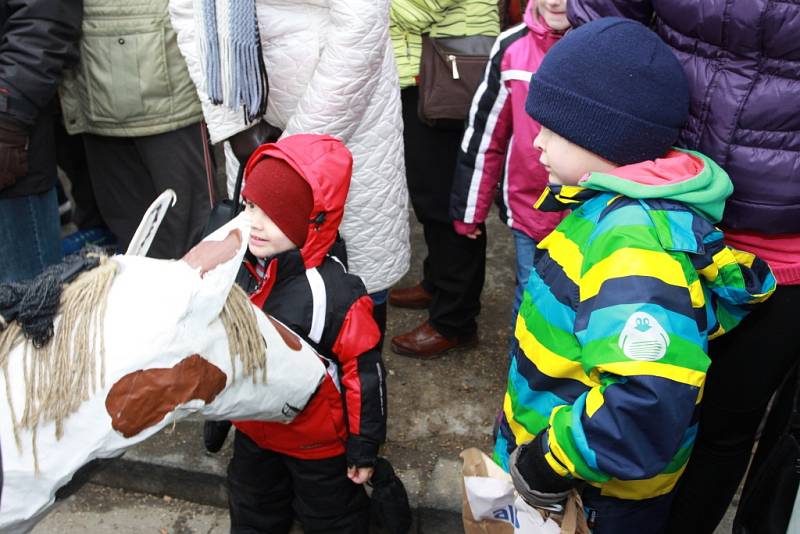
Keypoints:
pixel 30 235
pixel 748 365
pixel 266 489
pixel 454 269
pixel 128 173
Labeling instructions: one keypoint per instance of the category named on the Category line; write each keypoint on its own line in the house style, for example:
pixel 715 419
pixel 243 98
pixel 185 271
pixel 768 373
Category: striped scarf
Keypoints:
pixel 234 66
pixel 261 269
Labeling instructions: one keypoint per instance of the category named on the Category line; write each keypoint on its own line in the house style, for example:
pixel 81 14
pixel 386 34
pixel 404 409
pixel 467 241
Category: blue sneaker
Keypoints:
pixel 99 237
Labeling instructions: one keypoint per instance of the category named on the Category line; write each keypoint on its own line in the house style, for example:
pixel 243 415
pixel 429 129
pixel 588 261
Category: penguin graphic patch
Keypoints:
pixel 643 338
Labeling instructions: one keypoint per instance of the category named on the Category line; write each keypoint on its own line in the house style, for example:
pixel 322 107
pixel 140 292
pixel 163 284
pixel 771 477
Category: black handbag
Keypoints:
pixel 766 507
pixel 389 505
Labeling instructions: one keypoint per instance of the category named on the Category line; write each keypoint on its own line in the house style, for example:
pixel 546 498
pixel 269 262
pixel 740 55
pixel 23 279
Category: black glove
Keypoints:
pixel 535 480
pixel 244 143
pixel 13 153
pixel 214 434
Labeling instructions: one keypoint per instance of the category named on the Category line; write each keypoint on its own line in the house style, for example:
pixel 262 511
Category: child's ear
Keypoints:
pixel 217 260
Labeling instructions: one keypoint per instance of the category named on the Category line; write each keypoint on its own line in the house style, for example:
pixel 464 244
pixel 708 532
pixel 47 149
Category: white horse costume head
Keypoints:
pixel 163 341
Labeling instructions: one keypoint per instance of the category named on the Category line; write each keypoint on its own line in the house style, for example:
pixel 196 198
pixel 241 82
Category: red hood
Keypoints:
pixel 326 164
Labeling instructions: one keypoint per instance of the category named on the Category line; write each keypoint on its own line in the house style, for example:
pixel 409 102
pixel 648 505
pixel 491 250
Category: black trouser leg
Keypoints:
pixel 610 515
pixel 430 157
pixel 186 175
pixel 453 270
pixel 748 365
pixel 259 490
pixel 459 269
pixel 71 157
pixel 325 500
pixel 266 490
pixel 121 184
pixel 774 426
pixel 129 173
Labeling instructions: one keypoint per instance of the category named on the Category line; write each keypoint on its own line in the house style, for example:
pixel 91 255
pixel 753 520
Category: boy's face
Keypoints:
pixel 266 239
pixel 554 13
pixel 565 161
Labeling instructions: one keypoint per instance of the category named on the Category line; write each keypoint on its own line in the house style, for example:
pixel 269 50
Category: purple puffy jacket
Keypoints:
pixel 742 59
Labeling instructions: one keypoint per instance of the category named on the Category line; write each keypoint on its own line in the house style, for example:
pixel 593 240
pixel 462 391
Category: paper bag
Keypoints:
pixel 491 496
pixel 491 505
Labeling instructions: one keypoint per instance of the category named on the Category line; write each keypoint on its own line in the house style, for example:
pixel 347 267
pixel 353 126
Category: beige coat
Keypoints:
pixel 131 80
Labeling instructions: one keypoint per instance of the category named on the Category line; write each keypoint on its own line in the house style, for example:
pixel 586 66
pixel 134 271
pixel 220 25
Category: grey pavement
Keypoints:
pixel 97 509
pixel 436 409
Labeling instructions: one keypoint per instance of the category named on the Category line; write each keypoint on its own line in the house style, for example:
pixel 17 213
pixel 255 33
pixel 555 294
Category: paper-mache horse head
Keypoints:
pixel 137 344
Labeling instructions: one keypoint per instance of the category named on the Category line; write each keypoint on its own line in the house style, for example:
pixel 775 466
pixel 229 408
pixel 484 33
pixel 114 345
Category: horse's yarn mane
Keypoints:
pixel 61 372
pixel 245 341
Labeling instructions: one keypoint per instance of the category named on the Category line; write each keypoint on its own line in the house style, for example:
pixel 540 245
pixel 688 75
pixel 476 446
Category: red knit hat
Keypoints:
pixel 283 194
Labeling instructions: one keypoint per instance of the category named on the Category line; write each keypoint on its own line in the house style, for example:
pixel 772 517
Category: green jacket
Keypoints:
pixel 409 19
pixel 131 80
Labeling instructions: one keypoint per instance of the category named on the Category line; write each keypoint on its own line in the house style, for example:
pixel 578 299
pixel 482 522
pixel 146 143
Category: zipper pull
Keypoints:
pixel 452 59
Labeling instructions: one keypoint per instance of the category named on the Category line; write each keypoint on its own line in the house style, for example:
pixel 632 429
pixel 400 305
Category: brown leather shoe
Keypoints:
pixel 414 297
pixel 426 343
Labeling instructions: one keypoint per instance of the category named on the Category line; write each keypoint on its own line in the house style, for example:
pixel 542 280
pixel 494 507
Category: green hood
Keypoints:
pixel 682 175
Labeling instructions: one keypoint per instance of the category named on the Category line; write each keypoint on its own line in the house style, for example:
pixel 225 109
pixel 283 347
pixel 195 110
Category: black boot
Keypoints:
pixel 214 434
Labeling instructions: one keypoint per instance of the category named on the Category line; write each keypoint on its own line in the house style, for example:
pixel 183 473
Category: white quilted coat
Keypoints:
pixel 331 70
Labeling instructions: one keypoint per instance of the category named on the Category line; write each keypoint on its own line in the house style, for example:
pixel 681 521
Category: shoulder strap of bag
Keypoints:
pixel 212 192
pixel 237 192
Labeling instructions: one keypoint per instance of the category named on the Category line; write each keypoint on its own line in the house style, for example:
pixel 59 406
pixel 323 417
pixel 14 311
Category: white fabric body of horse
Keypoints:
pixel 159 313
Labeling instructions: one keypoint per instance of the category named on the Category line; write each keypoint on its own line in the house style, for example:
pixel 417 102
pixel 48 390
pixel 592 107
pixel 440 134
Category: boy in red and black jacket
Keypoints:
pixel 314 467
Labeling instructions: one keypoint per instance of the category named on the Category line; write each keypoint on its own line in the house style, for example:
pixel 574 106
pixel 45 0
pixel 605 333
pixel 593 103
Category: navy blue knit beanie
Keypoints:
pixel 614 88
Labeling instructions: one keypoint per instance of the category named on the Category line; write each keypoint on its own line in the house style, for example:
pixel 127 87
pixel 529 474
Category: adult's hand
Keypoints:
pixel 244 143
pixel 13 154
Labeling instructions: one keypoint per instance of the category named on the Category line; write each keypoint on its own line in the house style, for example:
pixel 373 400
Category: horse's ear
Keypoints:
pixel 217 259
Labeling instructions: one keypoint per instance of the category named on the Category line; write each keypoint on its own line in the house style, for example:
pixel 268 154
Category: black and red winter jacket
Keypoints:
pixel 310 292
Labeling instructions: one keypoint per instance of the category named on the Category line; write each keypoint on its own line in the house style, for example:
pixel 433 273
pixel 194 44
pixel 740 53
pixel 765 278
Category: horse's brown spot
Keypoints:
pixel 141 399
pixel 288 337
pixel 207 255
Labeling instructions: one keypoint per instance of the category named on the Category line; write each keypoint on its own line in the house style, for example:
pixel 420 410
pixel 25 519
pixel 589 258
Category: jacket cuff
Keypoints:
pixel 361 451
pixel 463 228
pixel 534 468
pixel 15 108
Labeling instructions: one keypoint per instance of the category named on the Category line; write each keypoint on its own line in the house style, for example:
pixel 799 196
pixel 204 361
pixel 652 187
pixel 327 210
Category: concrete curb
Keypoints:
pixel 175 463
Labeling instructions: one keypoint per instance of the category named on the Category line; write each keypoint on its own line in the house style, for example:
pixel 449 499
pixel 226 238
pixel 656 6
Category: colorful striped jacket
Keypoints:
pixel 615 321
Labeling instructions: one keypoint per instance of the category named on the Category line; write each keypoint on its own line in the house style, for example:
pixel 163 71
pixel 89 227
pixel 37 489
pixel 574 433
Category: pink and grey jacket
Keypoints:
pixel 498 142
